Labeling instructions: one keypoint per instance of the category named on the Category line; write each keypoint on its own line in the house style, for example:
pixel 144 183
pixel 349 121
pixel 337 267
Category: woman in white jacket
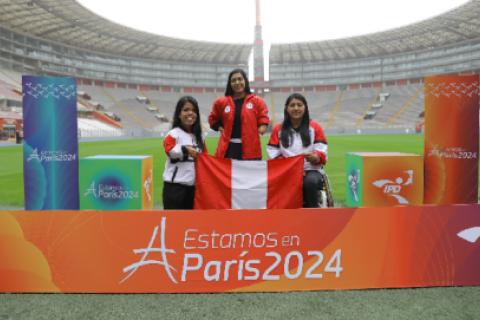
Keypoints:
pixel 300 135
pixel 182 145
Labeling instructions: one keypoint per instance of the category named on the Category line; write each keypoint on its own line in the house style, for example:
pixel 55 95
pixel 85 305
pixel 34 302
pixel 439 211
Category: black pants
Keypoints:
pixel 234 151
pixel 178 196
pixel 312 184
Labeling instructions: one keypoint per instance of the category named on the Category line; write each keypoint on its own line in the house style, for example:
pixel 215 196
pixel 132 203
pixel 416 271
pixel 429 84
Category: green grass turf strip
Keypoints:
pixel 11 163
pixel 399 304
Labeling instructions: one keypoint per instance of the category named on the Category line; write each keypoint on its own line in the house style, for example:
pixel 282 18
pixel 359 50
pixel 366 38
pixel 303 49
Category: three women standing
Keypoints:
pixel 241 116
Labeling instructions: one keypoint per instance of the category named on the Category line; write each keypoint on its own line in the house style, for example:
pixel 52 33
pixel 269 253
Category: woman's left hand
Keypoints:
pixel 262 129
pixel 312 157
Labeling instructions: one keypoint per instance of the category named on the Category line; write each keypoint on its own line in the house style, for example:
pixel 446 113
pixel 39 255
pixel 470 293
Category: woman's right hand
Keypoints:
pixel 220 129
pixel 312 157
pixel 191 151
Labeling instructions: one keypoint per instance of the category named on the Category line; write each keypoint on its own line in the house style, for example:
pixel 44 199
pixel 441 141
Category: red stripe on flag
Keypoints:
pixel 213 183
pixel 285 181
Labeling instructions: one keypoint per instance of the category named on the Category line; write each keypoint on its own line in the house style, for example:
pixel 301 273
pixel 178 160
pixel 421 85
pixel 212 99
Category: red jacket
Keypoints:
pixel 254 114
pixel 318 144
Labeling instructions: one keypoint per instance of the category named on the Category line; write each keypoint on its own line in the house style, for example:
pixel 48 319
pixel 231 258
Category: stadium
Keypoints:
pixel 359 88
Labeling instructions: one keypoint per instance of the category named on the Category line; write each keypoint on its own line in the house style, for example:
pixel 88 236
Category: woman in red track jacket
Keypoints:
pixel 240 116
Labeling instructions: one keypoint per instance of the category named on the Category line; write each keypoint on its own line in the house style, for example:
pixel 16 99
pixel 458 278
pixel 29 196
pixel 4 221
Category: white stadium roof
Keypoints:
pixel 456 26
pixel 69 23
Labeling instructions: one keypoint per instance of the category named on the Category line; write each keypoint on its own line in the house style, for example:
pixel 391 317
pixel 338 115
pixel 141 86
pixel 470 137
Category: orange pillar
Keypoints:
pixel 451 139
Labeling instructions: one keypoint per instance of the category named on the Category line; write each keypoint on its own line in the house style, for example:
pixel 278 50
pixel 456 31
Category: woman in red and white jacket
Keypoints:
pixel 300 135
pixel 240 116
pixel 182 145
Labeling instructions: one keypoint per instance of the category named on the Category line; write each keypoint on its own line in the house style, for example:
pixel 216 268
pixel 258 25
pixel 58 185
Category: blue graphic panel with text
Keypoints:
pixel 50 149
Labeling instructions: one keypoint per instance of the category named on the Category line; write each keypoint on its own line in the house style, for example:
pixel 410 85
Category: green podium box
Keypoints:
pixel 378 179
pixel 116 182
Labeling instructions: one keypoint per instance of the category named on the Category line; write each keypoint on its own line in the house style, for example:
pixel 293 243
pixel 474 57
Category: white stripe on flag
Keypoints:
pixel 249 184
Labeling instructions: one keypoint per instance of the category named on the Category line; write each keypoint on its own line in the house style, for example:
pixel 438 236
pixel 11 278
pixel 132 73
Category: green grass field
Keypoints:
pixel 11 163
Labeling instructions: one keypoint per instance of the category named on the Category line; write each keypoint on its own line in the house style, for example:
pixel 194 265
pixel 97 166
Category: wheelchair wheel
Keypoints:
pixel 325 194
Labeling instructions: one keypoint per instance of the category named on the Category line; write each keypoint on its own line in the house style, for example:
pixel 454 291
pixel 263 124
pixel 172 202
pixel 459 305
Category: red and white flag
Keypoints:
pixel 236 184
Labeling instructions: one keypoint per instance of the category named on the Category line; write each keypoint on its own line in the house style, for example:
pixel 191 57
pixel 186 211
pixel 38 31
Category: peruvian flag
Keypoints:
pixel 236 184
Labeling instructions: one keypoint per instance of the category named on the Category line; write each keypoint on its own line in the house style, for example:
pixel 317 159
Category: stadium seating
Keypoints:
pixel 123 102
pixel 403 105
pixel 88 128
pixel 10 78
pixel 341 111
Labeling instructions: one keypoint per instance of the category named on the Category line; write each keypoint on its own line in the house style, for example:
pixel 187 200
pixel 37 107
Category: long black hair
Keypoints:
pixel 286 132
pixel 229 90
pixel 197 126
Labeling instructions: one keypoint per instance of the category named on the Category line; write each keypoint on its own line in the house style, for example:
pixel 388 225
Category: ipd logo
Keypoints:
pixel 393 188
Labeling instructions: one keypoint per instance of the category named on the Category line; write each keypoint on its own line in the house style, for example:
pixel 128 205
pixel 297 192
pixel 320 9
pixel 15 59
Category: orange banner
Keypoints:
pixel 243 250
pixel 451 139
